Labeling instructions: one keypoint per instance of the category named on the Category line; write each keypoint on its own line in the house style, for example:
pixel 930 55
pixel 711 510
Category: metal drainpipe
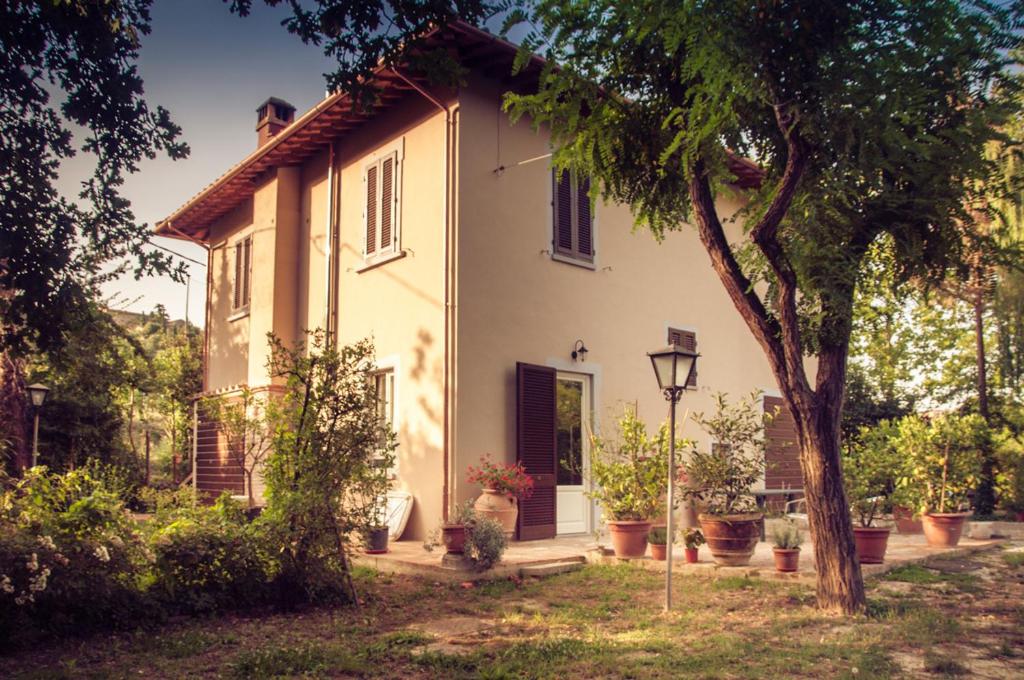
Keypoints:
pixel 209 284
pixel 448 312
pixel 329 264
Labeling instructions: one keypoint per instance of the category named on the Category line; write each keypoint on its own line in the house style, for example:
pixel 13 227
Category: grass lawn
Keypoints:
pixel 956 617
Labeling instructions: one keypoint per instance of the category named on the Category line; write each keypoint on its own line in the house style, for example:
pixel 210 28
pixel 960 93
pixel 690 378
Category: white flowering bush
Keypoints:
pixel 71 558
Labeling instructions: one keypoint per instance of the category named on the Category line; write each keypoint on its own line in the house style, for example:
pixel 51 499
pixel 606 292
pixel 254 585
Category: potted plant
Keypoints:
pixel 453 532
pixel 943 463
pixel 869 470
pixel 692 540
pixel 628 478
pixel 1011 487
pixel 786 540
pixel 370 497
pixel 658 538
pixel 504 485
pixel 720 479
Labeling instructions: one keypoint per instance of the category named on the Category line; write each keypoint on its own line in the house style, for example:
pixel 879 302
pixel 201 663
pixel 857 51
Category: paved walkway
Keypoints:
pixel 409 557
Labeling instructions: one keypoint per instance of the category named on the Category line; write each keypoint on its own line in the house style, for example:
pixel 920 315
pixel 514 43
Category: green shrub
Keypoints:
pixel 210 559
pixel 485 541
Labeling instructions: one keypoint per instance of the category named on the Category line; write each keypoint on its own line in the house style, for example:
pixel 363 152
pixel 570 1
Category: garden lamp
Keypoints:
pixel 673 366
pixel 37 393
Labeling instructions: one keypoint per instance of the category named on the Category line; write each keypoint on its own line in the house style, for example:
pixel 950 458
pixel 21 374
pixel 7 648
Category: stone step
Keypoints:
pixel 551 568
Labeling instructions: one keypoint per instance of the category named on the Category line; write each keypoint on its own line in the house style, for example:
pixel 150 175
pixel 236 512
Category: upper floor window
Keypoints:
pixel 688 340
pixel 572 217
pixel 242 283
pixel 382 203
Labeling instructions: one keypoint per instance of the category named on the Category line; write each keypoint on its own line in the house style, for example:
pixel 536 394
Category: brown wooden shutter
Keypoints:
pixel 371 209
pixel 563 212
pixel 782 454
pixel 687 340
pixel 585 222
pixel 247 272
pixel 387 202
pixel 536 448
pixel 236 300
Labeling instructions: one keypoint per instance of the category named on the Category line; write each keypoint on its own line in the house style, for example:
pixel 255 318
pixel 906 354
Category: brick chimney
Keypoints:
pixel 272 116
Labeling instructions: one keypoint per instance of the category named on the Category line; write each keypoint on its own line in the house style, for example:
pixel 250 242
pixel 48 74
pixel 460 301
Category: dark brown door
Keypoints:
pixel 536 448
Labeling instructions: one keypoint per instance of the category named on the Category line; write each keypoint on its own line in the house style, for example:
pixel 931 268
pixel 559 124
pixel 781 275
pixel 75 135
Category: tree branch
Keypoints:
pixel 764 327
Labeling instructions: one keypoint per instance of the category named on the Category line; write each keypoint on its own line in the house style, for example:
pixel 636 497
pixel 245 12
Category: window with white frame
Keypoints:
pixel 572 217
pixel 382 190
pixel 383 383
pixel 242 282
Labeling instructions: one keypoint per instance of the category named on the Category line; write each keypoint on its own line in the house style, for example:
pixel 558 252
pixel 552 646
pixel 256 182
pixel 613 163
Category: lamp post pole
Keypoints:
pixel 35 436
pixel 672 395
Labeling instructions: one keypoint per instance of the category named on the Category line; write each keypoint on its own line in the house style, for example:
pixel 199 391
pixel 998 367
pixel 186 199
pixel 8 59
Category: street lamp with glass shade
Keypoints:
pixel 673 366
pixel 37 394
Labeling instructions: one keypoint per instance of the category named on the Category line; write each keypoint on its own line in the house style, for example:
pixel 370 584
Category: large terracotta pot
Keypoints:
pixel 498 507
pixel 871 543
pixel 786 559
pixel 943 529
pixel 454 538
pixel 732 538
pixel 905 521
pixel 659 552
pixel 629 539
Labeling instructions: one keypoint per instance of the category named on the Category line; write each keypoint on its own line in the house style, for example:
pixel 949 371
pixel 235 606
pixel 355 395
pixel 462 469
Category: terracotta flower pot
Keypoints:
pixel 943 529
pixel 905 521
pixel 786 559
pixel 731 538
pixel 499 507
pixel 629 539
pixel 376 541
pixel 871 543
pixel 659 552
pixel 691 555
pixel 454 537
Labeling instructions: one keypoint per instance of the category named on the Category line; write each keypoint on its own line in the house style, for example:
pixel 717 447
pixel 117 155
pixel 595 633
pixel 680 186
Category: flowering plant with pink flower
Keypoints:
pixel 510 480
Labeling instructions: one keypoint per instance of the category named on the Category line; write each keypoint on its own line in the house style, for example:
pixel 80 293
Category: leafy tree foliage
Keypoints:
pixel 69 69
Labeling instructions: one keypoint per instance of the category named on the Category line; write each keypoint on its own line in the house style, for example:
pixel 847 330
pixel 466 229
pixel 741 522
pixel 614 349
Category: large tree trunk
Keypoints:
pixel 840 585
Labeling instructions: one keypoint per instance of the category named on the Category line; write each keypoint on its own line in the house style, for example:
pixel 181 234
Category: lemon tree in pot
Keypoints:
pixel 870 469
pixel 628 478
pixel 720 479
pixel 943 463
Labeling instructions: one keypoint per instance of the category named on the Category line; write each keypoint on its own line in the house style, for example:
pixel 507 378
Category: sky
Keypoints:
pixel 210 69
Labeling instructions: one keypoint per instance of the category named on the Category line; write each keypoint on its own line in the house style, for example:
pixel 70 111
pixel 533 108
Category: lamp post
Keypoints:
pixel 673 366
pixel 37 393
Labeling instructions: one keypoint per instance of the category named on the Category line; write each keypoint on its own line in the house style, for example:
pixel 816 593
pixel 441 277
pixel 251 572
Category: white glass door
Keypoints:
pixel 573 427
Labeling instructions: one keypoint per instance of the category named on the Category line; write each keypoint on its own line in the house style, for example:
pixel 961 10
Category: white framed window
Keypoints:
pixel 572 218
pixel 241 284
pixel 383 384
pixel 382 203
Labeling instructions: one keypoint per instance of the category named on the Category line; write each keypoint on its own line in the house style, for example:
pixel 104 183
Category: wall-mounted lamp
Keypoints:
pixel 579 351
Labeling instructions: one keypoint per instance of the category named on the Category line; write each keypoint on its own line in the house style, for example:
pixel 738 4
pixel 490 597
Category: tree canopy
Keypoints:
pixel 69 84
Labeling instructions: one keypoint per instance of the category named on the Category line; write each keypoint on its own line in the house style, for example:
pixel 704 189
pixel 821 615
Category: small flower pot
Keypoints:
pixel 731 538
pixel 943 529
pixel 659 551
pixel 871 544
pixel 376 541
pixel 499 507
pixel 629 539
pixel 906 523
pixel 787 560
pixel 691 555
pixel 454 538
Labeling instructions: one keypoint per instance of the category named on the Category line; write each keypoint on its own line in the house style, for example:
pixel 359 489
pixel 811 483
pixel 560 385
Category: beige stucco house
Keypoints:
pixel 434 226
